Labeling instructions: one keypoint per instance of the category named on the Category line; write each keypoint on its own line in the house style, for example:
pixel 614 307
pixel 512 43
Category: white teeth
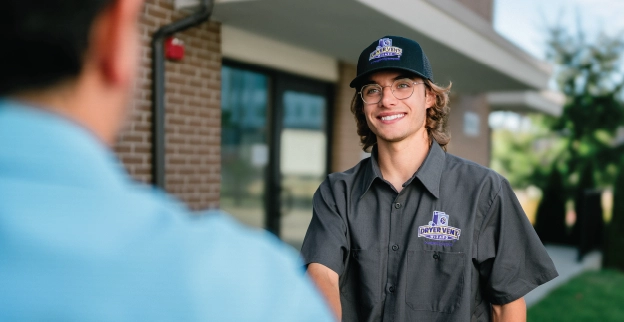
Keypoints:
pixel 392 117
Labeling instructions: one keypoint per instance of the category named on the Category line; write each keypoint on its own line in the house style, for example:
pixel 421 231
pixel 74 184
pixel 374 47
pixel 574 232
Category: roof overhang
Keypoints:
pixel 462 47
pixel 546 102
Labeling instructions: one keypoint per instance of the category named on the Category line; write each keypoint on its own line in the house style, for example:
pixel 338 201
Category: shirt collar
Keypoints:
pixel 371 172
pixel 429 172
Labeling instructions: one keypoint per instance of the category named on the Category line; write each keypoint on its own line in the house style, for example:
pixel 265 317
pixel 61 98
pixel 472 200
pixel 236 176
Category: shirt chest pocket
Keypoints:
pixel 435 280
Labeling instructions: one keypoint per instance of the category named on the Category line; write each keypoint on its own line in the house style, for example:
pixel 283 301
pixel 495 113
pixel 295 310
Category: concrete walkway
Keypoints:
pixel 565 261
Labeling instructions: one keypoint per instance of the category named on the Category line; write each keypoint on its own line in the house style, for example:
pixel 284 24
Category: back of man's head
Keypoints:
pixel 45 41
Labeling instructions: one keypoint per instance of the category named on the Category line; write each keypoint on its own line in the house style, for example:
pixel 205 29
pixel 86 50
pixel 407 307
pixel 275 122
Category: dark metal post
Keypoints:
pixel 158 86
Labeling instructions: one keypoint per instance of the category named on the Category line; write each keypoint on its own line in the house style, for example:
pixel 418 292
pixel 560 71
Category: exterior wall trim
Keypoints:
pixel 546 102
pixel 247 47
pixel 484 27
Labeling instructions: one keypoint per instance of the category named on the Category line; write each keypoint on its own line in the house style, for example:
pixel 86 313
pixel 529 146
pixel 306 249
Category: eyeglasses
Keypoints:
pixel 401 89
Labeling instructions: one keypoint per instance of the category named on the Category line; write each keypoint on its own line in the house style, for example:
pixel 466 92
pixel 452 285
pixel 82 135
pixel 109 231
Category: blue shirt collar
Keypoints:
pixel 45 147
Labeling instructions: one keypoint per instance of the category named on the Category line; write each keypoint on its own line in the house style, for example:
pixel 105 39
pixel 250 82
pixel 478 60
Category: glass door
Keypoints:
pixel 274 148
pixel 244 144
pixel 303 153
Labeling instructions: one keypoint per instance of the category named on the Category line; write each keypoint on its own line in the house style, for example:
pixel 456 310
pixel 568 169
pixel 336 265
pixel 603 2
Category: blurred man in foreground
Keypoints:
pixel 79 241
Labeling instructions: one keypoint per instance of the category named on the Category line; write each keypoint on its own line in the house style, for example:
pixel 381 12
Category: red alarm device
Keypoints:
pixel 174 49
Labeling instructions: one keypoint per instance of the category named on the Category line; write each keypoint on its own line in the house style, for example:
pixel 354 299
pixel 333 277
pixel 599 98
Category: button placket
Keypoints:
pixel 394 254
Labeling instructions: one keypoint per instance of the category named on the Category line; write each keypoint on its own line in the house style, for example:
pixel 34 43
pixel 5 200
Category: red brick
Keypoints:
pixel 193 103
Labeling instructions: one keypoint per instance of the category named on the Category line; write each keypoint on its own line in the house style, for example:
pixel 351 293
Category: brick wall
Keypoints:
pixel 193 120
pixel 346 148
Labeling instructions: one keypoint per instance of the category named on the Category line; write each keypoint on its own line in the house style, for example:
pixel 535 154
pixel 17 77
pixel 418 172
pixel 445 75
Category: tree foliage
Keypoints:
pixel 614 246
pixel 550 217
pixel 511 157
pixel 590 75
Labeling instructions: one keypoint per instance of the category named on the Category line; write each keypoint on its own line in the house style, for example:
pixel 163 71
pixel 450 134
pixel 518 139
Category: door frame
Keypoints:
pixel 279 82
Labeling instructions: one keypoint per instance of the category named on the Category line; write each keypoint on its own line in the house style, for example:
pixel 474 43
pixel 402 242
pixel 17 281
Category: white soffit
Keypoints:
pixel 434 23
pixel 547 102
pixel 243 46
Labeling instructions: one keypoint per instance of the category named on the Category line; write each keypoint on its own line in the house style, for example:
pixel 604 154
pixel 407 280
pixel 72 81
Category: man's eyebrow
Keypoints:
pixel 405 75
pixel 368 82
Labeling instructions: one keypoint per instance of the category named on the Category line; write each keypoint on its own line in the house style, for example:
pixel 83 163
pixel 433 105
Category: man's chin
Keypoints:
pixel 391 138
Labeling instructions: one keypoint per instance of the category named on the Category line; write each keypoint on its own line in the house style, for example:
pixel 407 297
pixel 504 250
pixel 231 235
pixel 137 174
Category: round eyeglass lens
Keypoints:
pixel 371 93
pixel 401 89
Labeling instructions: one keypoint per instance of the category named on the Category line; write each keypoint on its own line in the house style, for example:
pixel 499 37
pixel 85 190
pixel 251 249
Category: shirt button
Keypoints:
pixel 397 205
pixel 355 255
pixel 395 247
pixel 436 256
pixel 391 289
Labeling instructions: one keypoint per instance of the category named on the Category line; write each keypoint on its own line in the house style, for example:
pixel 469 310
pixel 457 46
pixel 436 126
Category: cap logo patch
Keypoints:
pixel 385 51
pixel 438 228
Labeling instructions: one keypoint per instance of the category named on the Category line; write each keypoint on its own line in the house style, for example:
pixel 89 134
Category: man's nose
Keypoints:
pixel 387 98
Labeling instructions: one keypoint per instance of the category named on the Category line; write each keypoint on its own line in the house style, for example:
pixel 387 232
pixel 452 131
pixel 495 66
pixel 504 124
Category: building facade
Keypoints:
pixel 257 112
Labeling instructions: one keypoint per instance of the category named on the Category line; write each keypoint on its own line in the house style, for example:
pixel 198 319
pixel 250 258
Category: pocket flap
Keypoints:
pixel 435 280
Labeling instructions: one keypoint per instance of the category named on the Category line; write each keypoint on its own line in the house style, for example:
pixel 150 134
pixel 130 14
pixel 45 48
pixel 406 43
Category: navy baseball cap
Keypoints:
pixel 392 52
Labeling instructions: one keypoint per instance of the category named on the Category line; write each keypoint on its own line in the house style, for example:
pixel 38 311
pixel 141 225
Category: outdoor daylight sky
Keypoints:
pixel 524 22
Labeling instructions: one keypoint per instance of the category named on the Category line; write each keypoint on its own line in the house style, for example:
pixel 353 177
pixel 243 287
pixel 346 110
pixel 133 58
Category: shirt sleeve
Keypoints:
pixel 303 302
pixel 296 298
pixel 512 260
pixel 239 274
pixel 326 240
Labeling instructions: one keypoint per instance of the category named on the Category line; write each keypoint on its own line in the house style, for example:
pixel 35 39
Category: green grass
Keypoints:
pixel 592 296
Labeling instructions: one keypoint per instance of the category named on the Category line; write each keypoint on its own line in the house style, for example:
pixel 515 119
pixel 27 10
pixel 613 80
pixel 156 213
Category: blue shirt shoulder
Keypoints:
pixel 80 241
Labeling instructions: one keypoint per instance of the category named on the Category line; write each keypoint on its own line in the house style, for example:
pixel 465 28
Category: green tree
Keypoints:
pixel 550 217
pixel 510 155
pixel 586 181
pixel 614 243
pixel 589 73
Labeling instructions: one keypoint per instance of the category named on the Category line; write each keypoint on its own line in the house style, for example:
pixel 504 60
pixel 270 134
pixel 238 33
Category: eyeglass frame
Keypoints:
pixel 391 91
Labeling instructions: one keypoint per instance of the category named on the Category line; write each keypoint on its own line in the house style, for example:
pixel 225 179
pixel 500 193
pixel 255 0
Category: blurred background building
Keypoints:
pixel 257 111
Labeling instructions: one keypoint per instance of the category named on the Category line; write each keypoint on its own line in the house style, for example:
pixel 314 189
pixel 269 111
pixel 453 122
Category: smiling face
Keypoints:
pixel 393 120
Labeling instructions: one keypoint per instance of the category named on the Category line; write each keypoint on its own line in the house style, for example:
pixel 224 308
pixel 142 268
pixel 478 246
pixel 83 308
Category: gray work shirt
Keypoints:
pixel 454 241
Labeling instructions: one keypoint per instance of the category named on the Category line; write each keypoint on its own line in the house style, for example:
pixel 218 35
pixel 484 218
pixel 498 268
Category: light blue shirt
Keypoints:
pixel 80 241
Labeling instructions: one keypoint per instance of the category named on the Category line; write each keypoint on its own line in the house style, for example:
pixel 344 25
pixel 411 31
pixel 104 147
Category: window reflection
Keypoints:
pixel 244 153
pixel 303 161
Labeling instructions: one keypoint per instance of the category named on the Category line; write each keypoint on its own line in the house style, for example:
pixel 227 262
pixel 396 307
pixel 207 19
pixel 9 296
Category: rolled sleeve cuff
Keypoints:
pixel 524 289
pixel 335 264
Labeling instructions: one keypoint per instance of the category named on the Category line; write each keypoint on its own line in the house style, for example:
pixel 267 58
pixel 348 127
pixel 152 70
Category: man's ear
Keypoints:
pixel 430 97
pixel 115 41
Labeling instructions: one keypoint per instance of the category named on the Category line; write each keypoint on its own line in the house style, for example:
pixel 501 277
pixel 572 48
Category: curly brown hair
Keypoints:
pixel 437 117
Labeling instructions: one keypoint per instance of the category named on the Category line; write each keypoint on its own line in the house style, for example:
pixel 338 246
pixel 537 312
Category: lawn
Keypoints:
pixel 592 296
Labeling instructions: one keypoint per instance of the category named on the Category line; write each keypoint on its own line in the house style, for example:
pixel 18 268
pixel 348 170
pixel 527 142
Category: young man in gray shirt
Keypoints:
pixel 414 233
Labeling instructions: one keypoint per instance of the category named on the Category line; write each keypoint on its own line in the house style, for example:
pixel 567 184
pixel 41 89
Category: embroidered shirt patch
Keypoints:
pixel 438 228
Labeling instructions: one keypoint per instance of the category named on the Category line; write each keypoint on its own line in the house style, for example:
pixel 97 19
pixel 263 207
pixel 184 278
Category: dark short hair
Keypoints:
pixel 436 120
pixel 44 41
